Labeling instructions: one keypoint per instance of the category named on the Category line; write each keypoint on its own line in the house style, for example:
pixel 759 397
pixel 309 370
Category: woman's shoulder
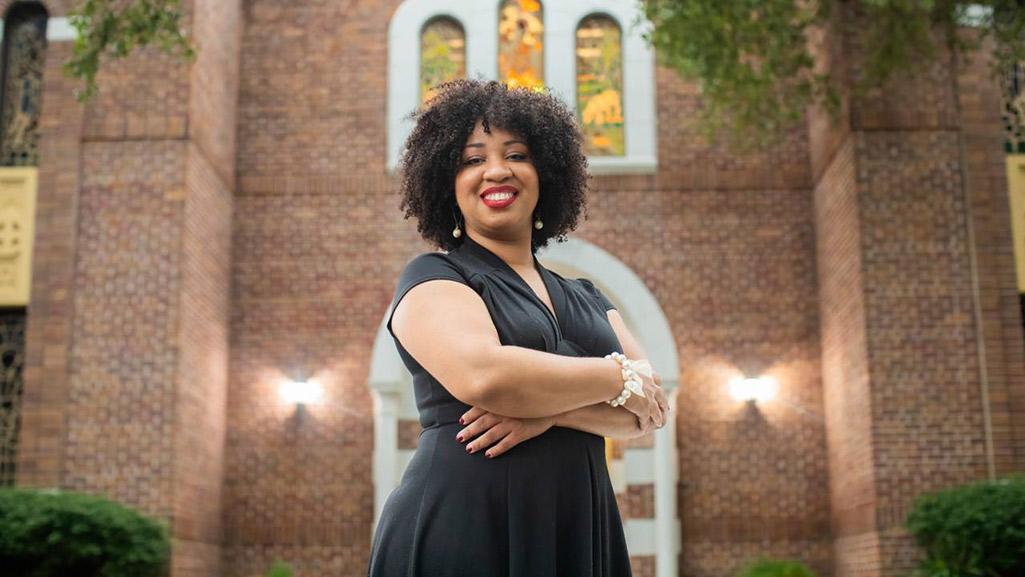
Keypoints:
pixel 588 287
pixel 432 263
pixel 575 284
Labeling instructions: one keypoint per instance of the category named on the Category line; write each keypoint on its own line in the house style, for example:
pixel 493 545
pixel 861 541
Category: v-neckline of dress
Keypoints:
pixel 499 262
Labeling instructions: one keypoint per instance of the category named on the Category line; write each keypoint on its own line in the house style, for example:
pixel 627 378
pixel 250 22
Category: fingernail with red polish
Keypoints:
pixel 461 421
pixel 459 438
pixel 469 449
pixel 489 455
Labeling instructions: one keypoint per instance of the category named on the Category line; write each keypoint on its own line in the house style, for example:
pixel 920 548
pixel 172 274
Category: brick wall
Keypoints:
pixel 845 362
pixel 127 345
pixel 901 345
pixel 48 336
pixel 986 181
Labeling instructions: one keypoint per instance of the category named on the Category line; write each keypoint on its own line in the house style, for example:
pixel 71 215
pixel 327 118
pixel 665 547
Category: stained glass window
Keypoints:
pixel 600 85
pixel 442 54
pixel 521 44
pixel 24 47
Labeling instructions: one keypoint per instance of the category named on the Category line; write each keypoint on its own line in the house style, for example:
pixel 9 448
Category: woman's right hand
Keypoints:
pixel 653 408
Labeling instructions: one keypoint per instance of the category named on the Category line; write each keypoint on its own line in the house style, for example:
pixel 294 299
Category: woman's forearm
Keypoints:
pixel 601 419
pixel 526 383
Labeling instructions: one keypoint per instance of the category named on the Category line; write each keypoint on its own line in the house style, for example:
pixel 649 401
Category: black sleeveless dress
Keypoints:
pixel 546 507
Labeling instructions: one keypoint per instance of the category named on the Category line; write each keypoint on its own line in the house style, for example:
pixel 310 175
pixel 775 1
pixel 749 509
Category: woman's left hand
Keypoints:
pixel 506 431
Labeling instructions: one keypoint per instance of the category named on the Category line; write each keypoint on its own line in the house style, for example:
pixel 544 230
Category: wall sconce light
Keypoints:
pixel 300 393
pixel 752 389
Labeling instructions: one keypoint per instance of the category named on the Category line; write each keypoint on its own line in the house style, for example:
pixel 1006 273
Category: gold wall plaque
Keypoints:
pixel 17 231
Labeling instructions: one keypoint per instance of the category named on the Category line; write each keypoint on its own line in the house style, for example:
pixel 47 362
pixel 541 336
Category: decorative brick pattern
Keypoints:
pixel 638 502
pixel 642 565
pixel 120 423
pixel 409 433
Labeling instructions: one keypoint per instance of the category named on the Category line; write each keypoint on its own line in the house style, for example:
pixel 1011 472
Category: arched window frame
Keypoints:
pixel 423 30
pixel 622 87
pixel 58 29
pixel 561 17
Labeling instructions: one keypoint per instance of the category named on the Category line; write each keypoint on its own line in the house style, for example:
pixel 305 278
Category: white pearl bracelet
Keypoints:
pixel 631 380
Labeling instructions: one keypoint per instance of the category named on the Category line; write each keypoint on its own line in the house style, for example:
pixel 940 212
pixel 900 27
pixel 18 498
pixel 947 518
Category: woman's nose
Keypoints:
pixel 497 170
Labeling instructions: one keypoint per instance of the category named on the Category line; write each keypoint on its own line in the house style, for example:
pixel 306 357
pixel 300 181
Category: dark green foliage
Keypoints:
pixel 56 534
pixel 748 56
pixel 113 28
pixel 752 60
pixel 976 530
pixel 775 568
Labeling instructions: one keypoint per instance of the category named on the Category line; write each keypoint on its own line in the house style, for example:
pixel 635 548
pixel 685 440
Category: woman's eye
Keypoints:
pixel 513 156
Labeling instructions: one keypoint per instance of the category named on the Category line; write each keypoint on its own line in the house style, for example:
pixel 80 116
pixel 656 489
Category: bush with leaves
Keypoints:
pixel 279 569
pixel 57 533
pixel 753 64
pixel 976 530
pixel 114 28
pixel 775 568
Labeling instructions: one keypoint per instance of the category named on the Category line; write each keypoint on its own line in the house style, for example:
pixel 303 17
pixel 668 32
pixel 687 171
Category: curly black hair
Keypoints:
pixel 434 149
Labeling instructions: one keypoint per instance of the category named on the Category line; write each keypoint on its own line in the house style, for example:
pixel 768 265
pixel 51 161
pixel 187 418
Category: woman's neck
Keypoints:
pixel 515 253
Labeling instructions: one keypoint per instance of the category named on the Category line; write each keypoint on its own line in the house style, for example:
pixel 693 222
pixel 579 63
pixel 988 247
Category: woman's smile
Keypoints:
pixel 499 196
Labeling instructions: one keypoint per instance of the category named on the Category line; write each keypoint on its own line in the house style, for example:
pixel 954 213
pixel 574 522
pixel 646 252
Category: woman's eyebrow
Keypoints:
pixel 507 143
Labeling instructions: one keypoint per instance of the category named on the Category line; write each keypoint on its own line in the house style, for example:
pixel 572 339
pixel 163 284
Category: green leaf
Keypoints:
pixel 112 29
pixel 756 74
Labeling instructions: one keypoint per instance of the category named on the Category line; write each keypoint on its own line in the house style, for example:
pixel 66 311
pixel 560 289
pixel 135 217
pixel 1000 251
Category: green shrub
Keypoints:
pixel 976 530
pixel 279 569
pixel 58 533
pixel 775 568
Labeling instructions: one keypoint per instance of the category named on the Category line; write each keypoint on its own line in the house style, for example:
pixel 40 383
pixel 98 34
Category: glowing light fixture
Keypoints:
pixel 753 389
pixel 307 392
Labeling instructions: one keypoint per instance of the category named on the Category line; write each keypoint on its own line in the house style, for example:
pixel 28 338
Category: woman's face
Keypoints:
pixel 493 166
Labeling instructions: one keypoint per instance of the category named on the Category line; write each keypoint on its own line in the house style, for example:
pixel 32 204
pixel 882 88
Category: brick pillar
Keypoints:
pixel 48 333
pixel 125 391
pixel 905 386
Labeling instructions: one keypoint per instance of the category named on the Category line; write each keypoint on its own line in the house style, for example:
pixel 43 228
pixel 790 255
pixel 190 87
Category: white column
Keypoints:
pixel 667 525
pixel 386 446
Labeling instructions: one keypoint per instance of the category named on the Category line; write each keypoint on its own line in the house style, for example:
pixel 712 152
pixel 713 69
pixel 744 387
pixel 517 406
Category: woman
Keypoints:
pixel 508 359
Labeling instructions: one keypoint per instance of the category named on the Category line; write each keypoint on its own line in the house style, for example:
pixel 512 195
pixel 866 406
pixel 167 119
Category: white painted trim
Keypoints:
pixel 561 20
pixel 640 465
pixel 667 525
pixel 386 475
pixel 57 29
pixel 390 383
pixel 480 21
pixel 643 538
